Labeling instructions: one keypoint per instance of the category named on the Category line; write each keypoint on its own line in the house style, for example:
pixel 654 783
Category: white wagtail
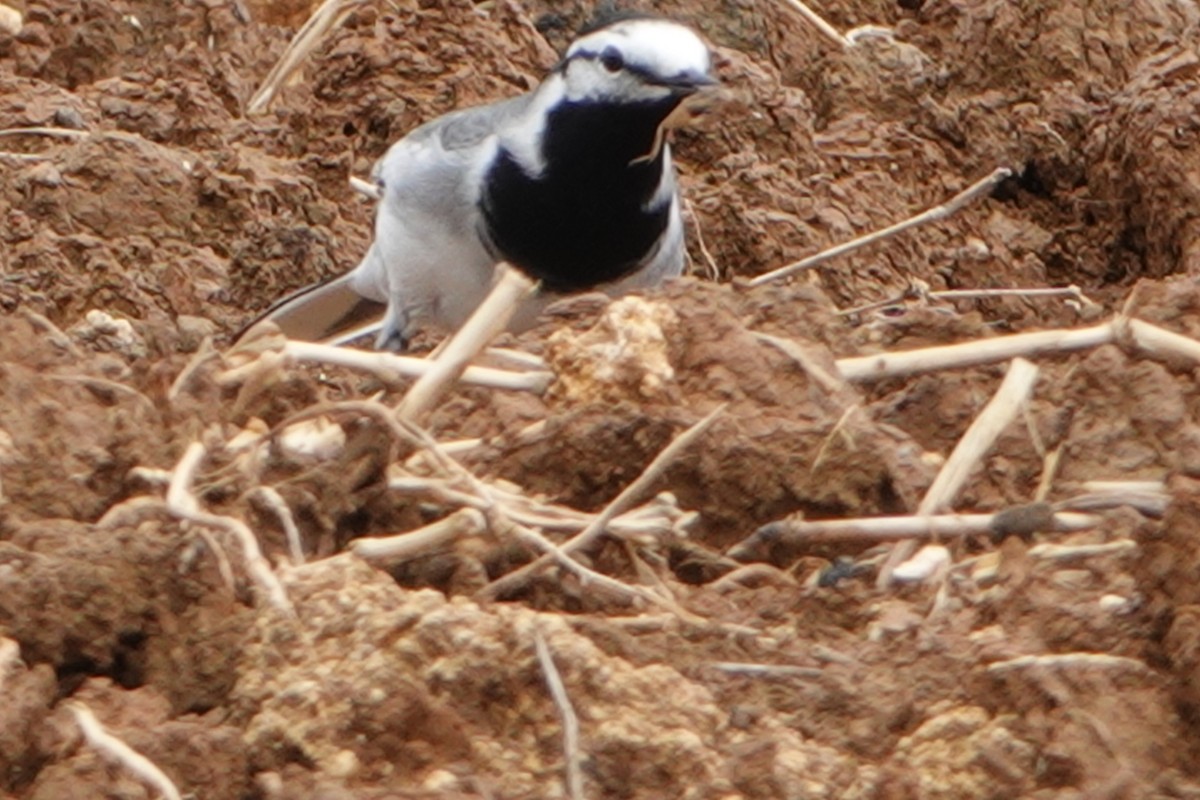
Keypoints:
pixel 571 183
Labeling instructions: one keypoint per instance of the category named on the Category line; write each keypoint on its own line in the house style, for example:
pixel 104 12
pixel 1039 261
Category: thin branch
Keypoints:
pixel 389 367
pixel 366 188
pixel 1002 409
pixel 183 505
pixel 1069 661
pixel 328 16
pixel 489 319
pixel 818 22
pixel 122 754
pixel 431 538
pixel 870 529
pixel 622 501
pixel 204 353
pixel 714 272
pixel 974 353
pixel 275 502
pixel 937 213
pixel 766 670
pixel 1070 292
pixel 570 720
pixel 57 133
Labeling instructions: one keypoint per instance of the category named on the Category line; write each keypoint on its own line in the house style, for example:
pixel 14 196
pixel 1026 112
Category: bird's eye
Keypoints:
pixel 612 59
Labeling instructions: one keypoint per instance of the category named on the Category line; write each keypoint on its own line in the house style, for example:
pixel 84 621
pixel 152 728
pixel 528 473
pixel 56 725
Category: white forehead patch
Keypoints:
pixel 661 48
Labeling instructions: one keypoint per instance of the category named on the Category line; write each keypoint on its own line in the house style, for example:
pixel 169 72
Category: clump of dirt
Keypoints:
pixel 146 218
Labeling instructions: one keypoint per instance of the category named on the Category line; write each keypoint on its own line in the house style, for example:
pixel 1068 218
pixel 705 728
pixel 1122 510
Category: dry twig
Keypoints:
pixel 622 501
pixel 328 16
pixel 818 22
pixel 1069 661
pixel 489 319
pixel 571 753
pixel 937 526
pixel 122 754
pixel 935 214
pixel 275 502
pixel 432 537
pixel 1073 293
pixel 389 367
pixel 1004 406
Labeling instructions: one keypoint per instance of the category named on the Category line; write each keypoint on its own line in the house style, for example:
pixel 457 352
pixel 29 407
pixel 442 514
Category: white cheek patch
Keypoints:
pixel 524 139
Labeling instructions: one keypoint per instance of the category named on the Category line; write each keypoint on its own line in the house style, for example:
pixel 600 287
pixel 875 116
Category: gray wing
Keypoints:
pixel 465 128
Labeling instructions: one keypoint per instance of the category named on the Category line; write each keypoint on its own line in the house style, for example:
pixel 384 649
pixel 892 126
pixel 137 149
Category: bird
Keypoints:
pixel 571 183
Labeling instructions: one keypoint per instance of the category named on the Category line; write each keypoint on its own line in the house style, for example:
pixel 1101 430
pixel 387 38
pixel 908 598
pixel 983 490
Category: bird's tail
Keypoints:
pixel 331 312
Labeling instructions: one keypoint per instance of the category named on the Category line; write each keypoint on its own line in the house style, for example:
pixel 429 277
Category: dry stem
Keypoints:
pixel 818 22
pixel 389 367
pixel 183 505
pixel 950 207
pixel 974 353
pixel 622 501
pixel 766 670
pixel 1004 406
pixel 489 319
pixel 889 528
pixel 1070 661
pixel 117 751
pixel 328 16
pixel 570 720
pixel 274 501
pixel 404 546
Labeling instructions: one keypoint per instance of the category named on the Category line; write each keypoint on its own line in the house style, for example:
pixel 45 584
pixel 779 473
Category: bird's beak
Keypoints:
pixel 690 82
pixel 700 98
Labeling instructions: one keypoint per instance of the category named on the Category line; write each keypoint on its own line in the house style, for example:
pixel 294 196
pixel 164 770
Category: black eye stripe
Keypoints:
pixel 641 72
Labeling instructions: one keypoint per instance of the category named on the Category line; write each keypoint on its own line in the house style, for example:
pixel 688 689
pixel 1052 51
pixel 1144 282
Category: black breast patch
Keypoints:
pixel 584 221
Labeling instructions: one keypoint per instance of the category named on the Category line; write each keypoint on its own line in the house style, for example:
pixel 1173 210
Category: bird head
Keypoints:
pixel 636 60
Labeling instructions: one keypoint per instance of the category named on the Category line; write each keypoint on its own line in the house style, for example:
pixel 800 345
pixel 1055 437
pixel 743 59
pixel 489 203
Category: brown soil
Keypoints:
pixel 175 218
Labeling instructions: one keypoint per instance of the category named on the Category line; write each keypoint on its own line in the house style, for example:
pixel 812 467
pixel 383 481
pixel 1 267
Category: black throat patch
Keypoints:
pixel 584 221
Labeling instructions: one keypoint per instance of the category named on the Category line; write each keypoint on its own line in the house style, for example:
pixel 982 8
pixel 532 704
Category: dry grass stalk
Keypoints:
pixel 598 526
pixel 57 133
pixel 1069 661
pixel 328 16
pixel 766 670
pixel 476 494
pixel 389 550
pixel 123 755
pixel 366 188
pixel 1001 410
pixel 1059 552
pixel 974 353
pixel 936 214
pixel 389 367
pixel 818 22
pixel 711 269
pixel 183 505
pixel 485 324
pixel 1140 335
pixel 1160 342
pixel 204 353
pixel 277 505
pixel 660 517
pixel 936 526
pixel 921 292
pixel 572 756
